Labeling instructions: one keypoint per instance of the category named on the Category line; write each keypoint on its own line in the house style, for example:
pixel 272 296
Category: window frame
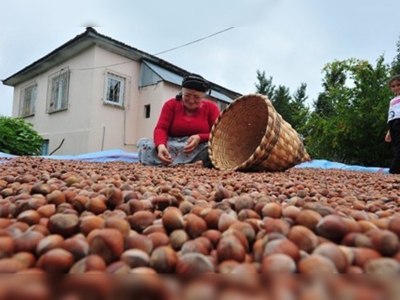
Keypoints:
pixel 45 147
pixel 147 111
pixel 122 80
pixel 58 91
pixel 33 98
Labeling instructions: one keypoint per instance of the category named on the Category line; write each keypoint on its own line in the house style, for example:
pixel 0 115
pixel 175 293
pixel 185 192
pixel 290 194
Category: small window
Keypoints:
pixel 58 91
pixel 115 86
pixel 222 105
pixel 147 108
pixel 45 147
pixel 28 100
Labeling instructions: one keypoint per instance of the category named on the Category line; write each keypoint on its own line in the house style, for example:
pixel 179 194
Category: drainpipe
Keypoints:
pixel 102 139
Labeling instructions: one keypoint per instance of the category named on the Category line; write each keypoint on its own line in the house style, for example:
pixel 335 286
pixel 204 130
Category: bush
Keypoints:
pixel 18 137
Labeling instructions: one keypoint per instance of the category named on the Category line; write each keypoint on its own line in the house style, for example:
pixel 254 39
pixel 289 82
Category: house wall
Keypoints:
pixel 113 127
pixel 73 124
pixel 89 124
pixel 155 95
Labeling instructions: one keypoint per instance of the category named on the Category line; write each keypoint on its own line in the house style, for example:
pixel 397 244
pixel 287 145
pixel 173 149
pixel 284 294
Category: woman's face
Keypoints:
pixel 191 99
pixel 395 87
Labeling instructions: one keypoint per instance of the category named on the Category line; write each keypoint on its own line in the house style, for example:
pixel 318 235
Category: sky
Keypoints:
pixel 288 39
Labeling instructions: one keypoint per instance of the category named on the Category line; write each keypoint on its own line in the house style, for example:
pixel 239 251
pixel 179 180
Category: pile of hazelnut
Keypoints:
pixel 76 217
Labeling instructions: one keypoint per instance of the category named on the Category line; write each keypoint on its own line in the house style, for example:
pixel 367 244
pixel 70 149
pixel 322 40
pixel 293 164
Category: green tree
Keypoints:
pixel 281 102
pixel 396 61
pixel 292 109
pixel 18 137
pixel 264 85
pixel 299 110
pixel 349 120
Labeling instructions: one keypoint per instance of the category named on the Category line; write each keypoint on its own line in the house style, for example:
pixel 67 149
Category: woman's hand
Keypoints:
pixel 164 155
pixel 191 144
pixel 388 138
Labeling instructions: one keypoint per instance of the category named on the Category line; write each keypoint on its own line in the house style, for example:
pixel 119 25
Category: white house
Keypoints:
pixel 95 93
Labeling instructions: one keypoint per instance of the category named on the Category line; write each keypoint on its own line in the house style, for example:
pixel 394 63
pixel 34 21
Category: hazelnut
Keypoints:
pixel 272 210
pixel 303 237
pixel 56 261
pixel 384 266
pixel 172 219
pixel 79 247
pixel 140 220
pixel 163 259
pixel 89 263
pixel 11 265
pixel 230 248
pixel 120 224
pixel 139 241
pixel 63 224
pixel 7 246
pixel 89 223
pixel 194 264
pixel 56 197
pixel 29 216
pixel 49 242
pixel 107 243
pixel 316 264
pixel 308 218
pixel 332 227
pixel 178 238
pixel 136 258
pixel 27 241
pixel 334 254
pixel 195 225
pixel 278 263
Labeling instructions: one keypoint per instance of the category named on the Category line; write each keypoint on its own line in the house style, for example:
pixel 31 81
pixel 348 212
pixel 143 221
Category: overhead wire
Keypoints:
pixel 162 52
pixel 198 40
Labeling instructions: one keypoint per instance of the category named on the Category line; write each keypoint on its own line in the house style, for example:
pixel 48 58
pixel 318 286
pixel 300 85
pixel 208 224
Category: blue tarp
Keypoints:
pixel 101 156
pixel 325 164
pixel 120 155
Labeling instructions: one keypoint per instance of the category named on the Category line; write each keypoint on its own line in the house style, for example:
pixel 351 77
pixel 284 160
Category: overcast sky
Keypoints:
pixel 290 40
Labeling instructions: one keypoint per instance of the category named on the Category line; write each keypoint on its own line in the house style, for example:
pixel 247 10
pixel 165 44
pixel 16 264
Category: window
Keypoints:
pixel 222 105
pixel 28 100
pixel 147 111
pixel 115 86
pixel 45 147
pixel 57 96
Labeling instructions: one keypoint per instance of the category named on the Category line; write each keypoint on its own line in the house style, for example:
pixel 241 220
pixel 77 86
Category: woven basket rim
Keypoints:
pixel 267 143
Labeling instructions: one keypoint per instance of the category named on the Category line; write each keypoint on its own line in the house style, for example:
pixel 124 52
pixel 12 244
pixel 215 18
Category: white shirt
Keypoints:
pixel 394 109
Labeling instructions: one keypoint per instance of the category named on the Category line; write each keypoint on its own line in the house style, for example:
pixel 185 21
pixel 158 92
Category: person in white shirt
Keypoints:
pixel 393 134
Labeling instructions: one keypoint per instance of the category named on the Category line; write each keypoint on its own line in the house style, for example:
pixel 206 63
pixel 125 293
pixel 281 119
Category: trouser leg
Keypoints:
pixel 395 165
pixel 395 135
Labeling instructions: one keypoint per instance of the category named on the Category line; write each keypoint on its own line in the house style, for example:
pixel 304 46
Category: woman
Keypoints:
pixel 183 128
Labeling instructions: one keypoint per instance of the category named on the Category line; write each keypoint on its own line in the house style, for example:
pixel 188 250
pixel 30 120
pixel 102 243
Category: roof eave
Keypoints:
pixel 80 43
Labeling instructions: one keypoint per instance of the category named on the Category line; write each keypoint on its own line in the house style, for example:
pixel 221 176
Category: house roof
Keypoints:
pixel 91 37
pixel 166 75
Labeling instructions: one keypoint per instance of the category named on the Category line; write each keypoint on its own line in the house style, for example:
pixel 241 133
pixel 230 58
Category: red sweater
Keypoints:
pixel 174 121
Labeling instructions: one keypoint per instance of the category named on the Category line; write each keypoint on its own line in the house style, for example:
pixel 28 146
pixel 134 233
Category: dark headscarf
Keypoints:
pixel 195 82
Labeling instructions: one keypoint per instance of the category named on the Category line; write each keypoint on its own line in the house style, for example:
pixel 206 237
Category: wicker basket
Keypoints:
pixel 250 135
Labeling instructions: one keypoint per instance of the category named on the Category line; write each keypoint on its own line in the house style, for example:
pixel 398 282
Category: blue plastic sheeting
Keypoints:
pixel 101 156
pixel 325 164
pixel 5 155
pixel 120 155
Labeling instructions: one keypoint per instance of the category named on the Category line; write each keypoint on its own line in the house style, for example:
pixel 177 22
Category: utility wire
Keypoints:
pixel 201 39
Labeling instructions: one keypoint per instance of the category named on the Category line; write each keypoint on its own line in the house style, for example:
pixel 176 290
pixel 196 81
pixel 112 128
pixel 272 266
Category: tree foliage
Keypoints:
pixel 396 61
pixel 18 137
pixel 349 120
pixel 293 109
